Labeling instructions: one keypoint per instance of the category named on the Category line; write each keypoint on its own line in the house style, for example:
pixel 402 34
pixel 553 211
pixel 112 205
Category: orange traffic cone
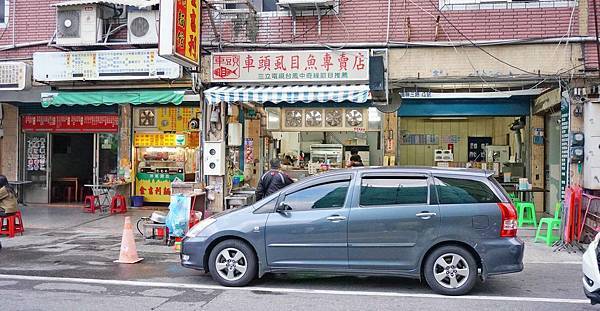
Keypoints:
pixel 128 251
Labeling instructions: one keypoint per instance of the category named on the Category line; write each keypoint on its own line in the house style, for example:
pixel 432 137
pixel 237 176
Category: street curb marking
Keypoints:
pixel 286 290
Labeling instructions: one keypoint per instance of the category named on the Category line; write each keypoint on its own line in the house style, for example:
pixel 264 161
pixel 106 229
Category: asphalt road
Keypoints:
pixel 73 269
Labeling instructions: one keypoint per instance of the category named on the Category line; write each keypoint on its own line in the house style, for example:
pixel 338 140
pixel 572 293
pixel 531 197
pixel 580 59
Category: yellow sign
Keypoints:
pixel 160 140
pixel 171 119
pixel 154 187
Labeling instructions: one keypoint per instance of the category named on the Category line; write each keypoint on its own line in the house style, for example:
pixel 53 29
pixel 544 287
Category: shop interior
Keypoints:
pixel 166 149
pixel 72 165
pixel 310 140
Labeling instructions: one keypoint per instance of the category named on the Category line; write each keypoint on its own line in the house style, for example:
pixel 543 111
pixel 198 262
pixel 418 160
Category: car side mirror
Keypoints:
pixel 282 208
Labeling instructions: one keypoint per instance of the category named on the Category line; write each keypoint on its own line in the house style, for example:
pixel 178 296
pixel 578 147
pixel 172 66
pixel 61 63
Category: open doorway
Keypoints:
pixel 72 166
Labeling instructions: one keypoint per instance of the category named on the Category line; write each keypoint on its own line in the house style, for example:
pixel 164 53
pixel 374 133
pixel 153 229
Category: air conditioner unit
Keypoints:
pixel 142 27
pixel 79 24
pixel 307 4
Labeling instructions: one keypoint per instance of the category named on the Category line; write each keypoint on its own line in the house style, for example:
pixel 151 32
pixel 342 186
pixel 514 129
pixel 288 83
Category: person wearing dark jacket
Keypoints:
pixel 272 181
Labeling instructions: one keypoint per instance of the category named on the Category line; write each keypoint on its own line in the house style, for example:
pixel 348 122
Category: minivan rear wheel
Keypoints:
pixel 451 270
pixel 232 263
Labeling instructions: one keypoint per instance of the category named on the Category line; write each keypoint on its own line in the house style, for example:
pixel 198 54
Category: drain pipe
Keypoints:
pixel 389 15
pixel 597 43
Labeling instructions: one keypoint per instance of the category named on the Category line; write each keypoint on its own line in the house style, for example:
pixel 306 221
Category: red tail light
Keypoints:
pixel 509 223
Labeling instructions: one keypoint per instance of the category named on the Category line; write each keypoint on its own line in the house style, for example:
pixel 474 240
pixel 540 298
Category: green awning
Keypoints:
pixel 96 98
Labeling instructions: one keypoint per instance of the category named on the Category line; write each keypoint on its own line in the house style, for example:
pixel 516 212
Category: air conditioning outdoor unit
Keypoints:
pixel 142 27
pixel 307 4
pixel 79 24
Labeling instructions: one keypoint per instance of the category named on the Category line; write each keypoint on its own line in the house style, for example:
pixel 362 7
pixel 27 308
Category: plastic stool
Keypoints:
pixel 11 227
pixel 118 204
pixel 526 214
pixel 552 223
pixel 90 203
pixel 19 226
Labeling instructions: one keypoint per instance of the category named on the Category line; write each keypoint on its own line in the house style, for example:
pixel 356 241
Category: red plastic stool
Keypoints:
pixel 118 204
pixel 11 227
pixel 90 203
pixel 19 227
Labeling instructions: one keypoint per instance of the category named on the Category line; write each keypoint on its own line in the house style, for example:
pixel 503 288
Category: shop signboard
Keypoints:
pixel 155 187
pixel 291 66
pixel 140 64
pixel 179 36
pixel 565 125
pixel 36 153
pixel 72 123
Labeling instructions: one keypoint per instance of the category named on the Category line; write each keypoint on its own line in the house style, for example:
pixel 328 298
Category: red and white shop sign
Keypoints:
pixel 290 66
pixel 70 123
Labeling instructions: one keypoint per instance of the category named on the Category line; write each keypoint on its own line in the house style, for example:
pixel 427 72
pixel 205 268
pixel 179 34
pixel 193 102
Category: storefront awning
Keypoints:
pixel 96 98
pixel 289 94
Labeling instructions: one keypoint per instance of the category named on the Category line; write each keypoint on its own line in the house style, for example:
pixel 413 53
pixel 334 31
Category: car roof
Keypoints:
pixel 416 169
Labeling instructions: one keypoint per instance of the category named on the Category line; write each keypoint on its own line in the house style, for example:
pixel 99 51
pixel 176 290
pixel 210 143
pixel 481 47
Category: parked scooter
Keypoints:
pixel 591 272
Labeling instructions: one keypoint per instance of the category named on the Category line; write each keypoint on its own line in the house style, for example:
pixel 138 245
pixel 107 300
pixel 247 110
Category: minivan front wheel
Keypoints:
pixel 232 263
pixel 451 270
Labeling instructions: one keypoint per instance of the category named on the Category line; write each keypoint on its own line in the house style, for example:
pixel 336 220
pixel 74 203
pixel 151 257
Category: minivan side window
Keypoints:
pixel 384 190
pixel 463 191
pixel 329 195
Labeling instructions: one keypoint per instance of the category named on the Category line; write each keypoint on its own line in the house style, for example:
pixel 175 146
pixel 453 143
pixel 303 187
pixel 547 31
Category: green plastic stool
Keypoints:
pixel 552 223
pixel 526 214
pixel 514 198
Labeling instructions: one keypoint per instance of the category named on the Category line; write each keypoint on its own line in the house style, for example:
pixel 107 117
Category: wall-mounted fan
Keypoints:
pixel 354 117
pixel 293 118
pixel 314 118
pixel 333 118
pixel 146 118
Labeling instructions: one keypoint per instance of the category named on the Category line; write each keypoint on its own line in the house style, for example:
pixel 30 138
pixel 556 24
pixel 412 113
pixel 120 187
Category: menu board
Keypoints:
pixel 103 65
pixel 159 140
pixel 176 119
pixel 89 123
pixel 36 153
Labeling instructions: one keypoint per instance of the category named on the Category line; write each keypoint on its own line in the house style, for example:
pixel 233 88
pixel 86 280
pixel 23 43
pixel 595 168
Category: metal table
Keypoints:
pixel 19 189
pixel 105 193
pixel 523 193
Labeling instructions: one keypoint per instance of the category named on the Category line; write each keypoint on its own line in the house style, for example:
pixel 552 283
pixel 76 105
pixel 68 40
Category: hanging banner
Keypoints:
pixel 290 66
pixel 71 123
pixel 179 36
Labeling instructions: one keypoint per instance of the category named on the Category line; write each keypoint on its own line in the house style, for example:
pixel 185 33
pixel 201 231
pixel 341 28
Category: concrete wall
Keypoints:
pixel 447 63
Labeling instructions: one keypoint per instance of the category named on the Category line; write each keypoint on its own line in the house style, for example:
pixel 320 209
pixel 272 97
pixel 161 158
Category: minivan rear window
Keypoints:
pixel 463 191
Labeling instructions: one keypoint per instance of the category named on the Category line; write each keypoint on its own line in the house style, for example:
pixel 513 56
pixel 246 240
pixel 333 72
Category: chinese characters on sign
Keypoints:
pixel 180 31
pixel 36 154
pixel 90 123
pixel 292 66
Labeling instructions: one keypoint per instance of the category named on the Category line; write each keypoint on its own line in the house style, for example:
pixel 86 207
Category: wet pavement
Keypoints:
pixel 66 243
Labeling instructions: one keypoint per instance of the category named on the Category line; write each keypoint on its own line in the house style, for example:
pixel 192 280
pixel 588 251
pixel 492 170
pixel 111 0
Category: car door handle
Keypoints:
pixel 336 218
pixel 425 215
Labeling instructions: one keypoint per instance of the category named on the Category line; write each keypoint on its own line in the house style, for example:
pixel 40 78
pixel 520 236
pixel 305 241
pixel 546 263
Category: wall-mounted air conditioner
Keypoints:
pixel 307 4
pixel 79 24
pixel 142 27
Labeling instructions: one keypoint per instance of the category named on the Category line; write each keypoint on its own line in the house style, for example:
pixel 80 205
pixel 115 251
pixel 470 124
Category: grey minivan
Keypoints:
pixel 446 226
